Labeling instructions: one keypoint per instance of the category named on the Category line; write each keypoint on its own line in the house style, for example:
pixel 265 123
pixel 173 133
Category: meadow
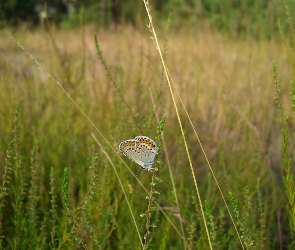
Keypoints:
pixel 69 97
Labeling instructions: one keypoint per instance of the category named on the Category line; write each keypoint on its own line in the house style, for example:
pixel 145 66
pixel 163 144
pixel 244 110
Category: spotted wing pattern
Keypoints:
pixel 141 150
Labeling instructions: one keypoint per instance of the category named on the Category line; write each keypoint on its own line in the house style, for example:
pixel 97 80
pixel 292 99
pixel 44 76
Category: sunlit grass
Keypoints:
pixel 227 88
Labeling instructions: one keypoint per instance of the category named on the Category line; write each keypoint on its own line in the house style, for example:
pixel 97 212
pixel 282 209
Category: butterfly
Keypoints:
pixel 141 150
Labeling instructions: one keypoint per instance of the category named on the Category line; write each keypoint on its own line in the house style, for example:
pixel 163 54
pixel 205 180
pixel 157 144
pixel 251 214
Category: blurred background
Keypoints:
pixel 259 18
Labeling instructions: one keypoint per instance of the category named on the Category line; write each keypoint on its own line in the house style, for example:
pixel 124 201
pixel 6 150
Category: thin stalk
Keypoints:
pixel 155 39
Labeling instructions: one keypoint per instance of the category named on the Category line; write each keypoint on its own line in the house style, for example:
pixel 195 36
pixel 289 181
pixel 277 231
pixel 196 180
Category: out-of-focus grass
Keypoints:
pixel 228 89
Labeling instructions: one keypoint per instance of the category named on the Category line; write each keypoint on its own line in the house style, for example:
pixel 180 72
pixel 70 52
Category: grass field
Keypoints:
pixel 65 185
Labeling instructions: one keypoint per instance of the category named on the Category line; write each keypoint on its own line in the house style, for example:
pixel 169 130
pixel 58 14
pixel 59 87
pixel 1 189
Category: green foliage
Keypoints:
pixel 13 11
pixel 20 223
pixel 289 177
pixel 151 206
pixel 237 17
pixel 58 189
pixel 4 187
pixel 245 233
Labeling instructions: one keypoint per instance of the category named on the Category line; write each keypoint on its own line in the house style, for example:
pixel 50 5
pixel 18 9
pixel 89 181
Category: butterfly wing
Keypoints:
pixel 148 150
pixel 141 150
pixel 128 148
pixel 147 141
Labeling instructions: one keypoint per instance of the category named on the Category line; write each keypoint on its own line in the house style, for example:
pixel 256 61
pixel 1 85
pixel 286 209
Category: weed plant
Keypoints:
pixel 220 181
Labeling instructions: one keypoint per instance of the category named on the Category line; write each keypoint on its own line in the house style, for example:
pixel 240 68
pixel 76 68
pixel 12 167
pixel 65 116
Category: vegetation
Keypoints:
pixel 219 101
pixel 257 19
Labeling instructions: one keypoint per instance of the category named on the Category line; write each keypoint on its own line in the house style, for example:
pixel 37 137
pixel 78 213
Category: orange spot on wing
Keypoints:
pixel 145 141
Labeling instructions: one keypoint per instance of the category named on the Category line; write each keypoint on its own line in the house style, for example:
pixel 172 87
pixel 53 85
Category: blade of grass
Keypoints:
pixel 169 78
pixel 157 204
pixel 170 171
pixel 78 107
pixel 208 162
pixel 42 69
pixel 155 39
pixel 114 83
pixel 121 184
